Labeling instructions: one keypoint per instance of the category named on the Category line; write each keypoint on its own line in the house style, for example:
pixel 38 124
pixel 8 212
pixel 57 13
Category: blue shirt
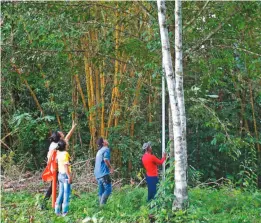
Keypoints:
pixel 101 168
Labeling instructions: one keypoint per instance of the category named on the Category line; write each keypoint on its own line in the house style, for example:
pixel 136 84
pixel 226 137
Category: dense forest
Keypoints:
pixel 99 64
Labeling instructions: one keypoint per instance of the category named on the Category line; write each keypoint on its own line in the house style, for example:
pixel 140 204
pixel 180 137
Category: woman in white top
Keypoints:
pixel 54 139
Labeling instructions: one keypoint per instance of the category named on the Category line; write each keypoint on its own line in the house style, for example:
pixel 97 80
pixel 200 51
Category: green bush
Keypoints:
pixel 225 205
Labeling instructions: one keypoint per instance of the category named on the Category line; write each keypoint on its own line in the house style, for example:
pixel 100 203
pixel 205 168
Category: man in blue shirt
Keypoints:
pixel 102 171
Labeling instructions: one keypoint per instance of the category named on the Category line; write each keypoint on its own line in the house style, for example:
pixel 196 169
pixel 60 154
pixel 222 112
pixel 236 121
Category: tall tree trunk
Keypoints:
pixel 180 191
pixel 102 77
pixel 253 115
pixel 115 79
pixel 171 135
pixel 150 99
pixel 256 134
pixel 88 85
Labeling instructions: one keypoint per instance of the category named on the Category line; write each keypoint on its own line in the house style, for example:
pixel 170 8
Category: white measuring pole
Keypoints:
pixel 163 118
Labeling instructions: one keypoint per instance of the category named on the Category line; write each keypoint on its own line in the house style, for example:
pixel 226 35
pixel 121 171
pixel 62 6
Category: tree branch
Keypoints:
pixel 5 144
pixel 191 49
pixel 192 20
pixel 195 47
pixel 241 49
pixel 146 10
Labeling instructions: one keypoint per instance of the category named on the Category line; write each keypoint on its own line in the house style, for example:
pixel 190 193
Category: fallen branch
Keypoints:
pixel 213 182
pixel 240 49
pixel 83 161
pixel 10 133
pixel 140 183
pixel 5 144
pixel 117 182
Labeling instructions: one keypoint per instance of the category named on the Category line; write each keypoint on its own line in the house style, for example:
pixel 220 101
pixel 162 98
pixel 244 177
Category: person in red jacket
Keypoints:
pixel 150 163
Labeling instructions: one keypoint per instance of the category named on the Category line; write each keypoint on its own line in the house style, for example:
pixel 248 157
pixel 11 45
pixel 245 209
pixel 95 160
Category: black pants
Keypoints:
pixel 48 193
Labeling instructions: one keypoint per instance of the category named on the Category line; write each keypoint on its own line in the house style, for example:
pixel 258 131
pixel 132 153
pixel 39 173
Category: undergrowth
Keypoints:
pixel 128 204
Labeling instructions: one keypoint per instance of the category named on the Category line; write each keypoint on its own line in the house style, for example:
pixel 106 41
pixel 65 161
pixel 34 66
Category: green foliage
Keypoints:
pixel 34 129
pixel 126 205
pixel 221 72
pixel 162 204
pixel 129 205
pixel 209 205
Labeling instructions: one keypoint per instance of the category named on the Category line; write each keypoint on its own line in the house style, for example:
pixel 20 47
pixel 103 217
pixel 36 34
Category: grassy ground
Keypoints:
pixel 129 205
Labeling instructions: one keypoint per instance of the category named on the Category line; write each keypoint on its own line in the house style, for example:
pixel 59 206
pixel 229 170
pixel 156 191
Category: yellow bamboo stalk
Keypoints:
pixel 102 81
pixel 97 92
pixel 150 116
pixel 120 68
pixel 87 78
pixel 88 88
pixel 92 99
pixel 115 79
pixel 93 129
pixel 79 87
pixel 19 72
pixel 253 114
pixel 73 113
pixel 135 102
pixel 102 99
pixel 116 91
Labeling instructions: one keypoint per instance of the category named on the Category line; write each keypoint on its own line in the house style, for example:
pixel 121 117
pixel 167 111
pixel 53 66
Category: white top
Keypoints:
pixel 52 147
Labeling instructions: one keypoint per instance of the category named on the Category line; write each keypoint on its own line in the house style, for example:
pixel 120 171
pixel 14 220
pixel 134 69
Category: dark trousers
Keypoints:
pixel 152 186
pixel 48 193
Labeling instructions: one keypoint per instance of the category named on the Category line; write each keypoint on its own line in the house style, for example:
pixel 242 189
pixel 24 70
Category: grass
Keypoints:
pixel 129 205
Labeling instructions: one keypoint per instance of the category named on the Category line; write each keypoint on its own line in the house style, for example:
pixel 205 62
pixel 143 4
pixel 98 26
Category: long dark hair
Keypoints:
pixel 55 137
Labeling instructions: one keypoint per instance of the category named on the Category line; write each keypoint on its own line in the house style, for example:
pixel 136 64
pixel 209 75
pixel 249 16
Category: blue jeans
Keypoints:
pixel 104 189
pixel 152 186
pixel 63 199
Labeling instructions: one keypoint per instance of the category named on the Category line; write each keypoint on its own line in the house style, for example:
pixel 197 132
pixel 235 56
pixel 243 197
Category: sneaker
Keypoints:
pixel 58 214
pixel 64 214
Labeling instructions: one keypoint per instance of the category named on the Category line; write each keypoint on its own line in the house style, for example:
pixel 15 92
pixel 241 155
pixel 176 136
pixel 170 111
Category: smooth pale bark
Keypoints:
pixel 171 135
pixel 163 104
pixel 180 190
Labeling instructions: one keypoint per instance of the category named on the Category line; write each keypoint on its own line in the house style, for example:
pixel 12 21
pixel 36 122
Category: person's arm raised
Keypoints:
pixel 159 161
pixel 68 136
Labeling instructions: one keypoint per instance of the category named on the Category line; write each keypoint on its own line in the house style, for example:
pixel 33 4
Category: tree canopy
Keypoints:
pixel 99 63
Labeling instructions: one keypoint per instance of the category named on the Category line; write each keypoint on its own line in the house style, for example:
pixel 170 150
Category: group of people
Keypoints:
pixel 102 170
pixel 61 144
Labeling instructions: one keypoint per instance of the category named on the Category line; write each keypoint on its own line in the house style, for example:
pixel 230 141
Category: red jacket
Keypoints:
pixel 151 162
